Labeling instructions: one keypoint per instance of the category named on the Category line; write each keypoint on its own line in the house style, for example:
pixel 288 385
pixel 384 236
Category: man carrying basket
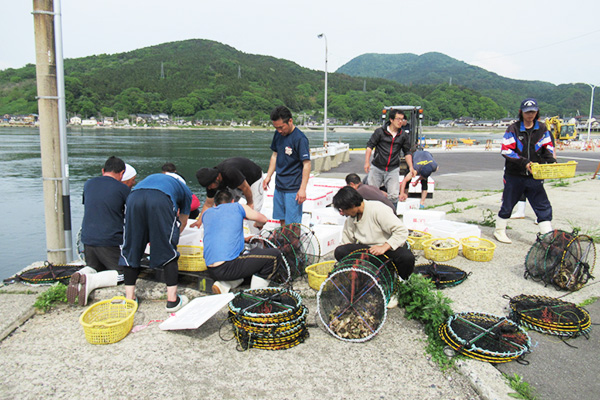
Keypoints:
pixel 525 142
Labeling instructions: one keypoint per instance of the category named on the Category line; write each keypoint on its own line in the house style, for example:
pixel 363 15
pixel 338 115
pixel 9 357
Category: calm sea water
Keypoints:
pixel 22 236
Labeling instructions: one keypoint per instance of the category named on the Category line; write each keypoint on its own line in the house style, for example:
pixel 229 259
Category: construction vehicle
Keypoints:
pixel 560 130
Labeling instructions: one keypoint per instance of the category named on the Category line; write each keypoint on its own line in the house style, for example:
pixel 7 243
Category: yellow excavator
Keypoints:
pixel 560 130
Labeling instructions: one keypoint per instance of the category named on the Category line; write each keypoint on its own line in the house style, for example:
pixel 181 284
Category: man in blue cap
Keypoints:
pixel 525 142
pixel 424 165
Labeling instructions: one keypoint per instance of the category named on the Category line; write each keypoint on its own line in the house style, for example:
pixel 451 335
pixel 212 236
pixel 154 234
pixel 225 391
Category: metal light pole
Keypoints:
pixel 322 35
pixel 591 108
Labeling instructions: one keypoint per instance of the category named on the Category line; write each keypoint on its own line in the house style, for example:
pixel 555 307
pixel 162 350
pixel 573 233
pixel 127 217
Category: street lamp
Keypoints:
pixel 591 108
pixel 322 35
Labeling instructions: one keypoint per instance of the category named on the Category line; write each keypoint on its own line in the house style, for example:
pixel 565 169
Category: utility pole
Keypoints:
pixel 48 99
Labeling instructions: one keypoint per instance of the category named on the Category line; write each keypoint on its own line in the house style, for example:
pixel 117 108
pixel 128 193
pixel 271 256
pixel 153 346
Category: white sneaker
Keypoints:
pixel 183 300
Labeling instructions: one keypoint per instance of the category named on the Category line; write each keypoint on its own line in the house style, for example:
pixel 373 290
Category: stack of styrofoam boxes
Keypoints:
pixel 417 187
pixel 328 236
pixel 275 223
pixel 457 230
pixel 408 204
pixel 327 216
pixel 418 219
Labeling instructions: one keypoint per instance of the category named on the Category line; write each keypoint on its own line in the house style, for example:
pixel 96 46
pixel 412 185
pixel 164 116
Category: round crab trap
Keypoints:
pixel 351 302
pixel 268 318
pixel 47 274
pixel 418 237
pixel 299 246
pixel 441 249
pixel 485 337
pixel 550 315
pixel 442 275
pixel 565 260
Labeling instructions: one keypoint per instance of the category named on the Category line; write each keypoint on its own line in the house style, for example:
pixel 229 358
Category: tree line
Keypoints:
pixel 206 80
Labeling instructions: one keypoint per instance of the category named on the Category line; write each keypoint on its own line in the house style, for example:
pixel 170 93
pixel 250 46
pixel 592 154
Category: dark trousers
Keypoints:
pixel 260 262
pixel 402 257
pixel 515 187
pixel 102 257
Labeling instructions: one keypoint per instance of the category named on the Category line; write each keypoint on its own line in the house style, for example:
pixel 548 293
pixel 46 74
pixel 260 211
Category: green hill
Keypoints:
pixel 204 79
pixel 436 68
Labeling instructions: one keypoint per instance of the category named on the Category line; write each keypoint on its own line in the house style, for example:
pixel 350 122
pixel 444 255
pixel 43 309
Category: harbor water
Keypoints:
pixel 23 234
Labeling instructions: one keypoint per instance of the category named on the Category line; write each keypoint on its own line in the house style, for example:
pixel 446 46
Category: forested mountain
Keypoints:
pixel 208 80
pixel 436 68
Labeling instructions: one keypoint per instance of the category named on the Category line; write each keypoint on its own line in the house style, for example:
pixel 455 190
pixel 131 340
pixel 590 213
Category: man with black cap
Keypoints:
pixel 424 165
pixel 238 174
pixel 525 142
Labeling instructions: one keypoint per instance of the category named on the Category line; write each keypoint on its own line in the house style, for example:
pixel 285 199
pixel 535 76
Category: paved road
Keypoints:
pixel 472 168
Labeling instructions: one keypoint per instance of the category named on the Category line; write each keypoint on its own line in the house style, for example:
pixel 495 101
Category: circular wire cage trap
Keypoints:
pixel 565 260
pixel 351 302
pixel 550 315
pixel 268 318
pixel 47 274
pixel 485 337
pixel 442 275
pixel 299 246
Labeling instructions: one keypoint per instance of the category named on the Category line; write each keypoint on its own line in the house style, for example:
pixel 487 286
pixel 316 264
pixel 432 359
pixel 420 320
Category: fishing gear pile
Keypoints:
pixel 269 318
pixel 485 337
pixel 550 315
pixel 298 244
pixel 442 275
pixel 351 302
pixel 562 259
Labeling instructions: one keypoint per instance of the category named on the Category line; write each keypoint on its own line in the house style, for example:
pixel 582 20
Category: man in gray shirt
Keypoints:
pixel 368 192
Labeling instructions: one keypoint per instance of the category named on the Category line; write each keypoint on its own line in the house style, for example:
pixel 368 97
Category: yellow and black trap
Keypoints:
pixel 563 259
pixel 298 245
pixel 442 275
pixel 46 275
pixel 485 337
pixel 550 315
pixel 351 302
pixel 268 318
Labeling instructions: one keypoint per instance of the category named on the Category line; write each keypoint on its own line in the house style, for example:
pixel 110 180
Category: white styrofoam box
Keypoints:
pixel 446 228
pixel 329 237
pixel 334 184
pixel 275 223
pixel 316 198
pixel 417 187
pixel 416 219
pixel 327 216
pixel 191 236
pixel 408 204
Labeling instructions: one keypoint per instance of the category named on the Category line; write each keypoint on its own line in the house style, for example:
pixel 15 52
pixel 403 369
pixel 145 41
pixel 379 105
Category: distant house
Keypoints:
pixel 445 123
pixel 75 120
pixel 108 121
pixel 485 123
pixel 89 122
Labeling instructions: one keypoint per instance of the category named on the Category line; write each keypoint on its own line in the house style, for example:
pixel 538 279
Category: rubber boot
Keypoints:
pixel 500 232
pixel 257 282
pixel 89 282
pixel 393 303
pixel 222 287
pixel 545 227
pixel 75 286
pixel 519 211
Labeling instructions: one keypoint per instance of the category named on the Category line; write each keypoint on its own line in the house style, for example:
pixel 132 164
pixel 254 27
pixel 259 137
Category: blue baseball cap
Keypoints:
pixel 529 105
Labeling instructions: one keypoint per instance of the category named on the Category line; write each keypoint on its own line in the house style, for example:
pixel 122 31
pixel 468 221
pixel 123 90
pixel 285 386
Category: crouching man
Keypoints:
pixel 373 226
pixel 224 246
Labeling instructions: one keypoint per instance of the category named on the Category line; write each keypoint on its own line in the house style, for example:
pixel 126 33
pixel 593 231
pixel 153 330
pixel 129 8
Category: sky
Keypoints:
pixel 552 41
